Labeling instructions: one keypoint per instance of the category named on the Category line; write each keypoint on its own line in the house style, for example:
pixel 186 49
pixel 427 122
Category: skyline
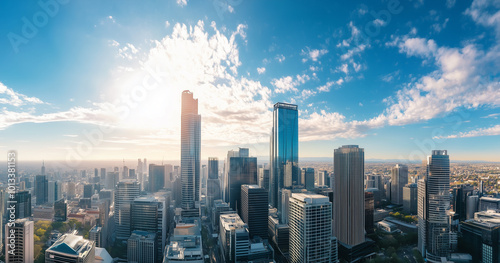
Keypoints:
pixel 401 91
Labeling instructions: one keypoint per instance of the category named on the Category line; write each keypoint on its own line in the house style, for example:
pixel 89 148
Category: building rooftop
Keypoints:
pixel 71 244
pixel 311 198
pixel 232 221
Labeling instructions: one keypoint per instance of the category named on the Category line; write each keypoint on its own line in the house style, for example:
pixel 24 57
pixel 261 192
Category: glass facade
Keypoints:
pixel 284 149
pixel 242 170
pixel 190 154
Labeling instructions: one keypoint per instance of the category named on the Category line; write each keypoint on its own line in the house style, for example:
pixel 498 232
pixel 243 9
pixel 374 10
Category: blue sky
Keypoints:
pixel 103 80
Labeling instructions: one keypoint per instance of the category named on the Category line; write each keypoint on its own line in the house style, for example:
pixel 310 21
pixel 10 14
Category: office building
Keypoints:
pixel 310 228
pixel 95 235
pixel 460 194
pixel 219 208
pixel 41 189
pixel 149 214
pixel 23 248
pixel 112 178
pixel 88 190
pixel 434 200
pixel 185 244
pixel 254 209
pixel 489 203
pixel 102 180
pixel 410 193
pixel 141 247
pixel 23 204
pixel 190 154
pixel 60 210
pixel 471 206
pixel 156 179
pixel 284 149
pixel 308 174
pixel 125 193
pixel 480 237
pixel 242 170
pixel 234 238
pixel 399 178
pixel 54 191
pixel 71 248
pixel 349 207
pixel 369 211
pixel 213 183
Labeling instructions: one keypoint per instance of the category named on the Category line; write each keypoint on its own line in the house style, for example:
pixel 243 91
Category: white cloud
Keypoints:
pixel 288 83
pixel 491 131
pixel 182 2
pixel 418 46
pixel 129 51
pixel 313 54
pixel 329 84
pixel 280 58
pixel 112 19
pixel 167 24
pixel 261 70
pixel 344 68
pixel 379 22
pixel 10 97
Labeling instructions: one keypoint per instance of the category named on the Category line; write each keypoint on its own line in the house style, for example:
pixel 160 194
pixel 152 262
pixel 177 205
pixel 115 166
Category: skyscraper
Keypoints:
pixel 24 246
pixel 41 189
pixel 309 178
pixel 126 191
pixel 190 154
pixel 23 204
pixel 60 210
pixel 43 168
pixel 349 208
pixel 284 148
pixel 410 193
pixel 399 178
pixel 213 183
pixel 254 209
pixel 433 202
pixel 310 228
pixel 142 247
pixel 149 214
pixel 242 170
pixel 156 177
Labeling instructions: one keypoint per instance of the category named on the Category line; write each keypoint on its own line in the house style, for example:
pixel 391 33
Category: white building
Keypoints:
pixel 310 228
pixel 22 243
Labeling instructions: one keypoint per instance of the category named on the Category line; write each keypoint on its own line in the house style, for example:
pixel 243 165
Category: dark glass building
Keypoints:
pixel 23 204
pixel 309 178
pixel 254 209
pixel 41 189
pixel 156 177
pixel 190 154
pixel 284 150
pixel 60 210
pixel 242 170
pixel 88 190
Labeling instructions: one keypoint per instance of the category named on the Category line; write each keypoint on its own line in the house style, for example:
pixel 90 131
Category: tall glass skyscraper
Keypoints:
pixel 434 201
pixel 284 149
pixel 190 154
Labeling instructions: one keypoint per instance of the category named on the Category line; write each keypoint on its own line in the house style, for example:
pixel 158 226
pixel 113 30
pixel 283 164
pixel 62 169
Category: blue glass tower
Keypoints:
pixel 284 150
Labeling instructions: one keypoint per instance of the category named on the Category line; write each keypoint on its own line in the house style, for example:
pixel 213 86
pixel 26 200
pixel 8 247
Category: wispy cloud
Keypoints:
pixel 491 131
pixel 9 97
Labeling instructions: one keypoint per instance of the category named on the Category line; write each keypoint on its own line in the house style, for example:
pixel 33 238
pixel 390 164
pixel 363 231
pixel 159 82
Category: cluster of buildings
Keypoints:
pixel 238 210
